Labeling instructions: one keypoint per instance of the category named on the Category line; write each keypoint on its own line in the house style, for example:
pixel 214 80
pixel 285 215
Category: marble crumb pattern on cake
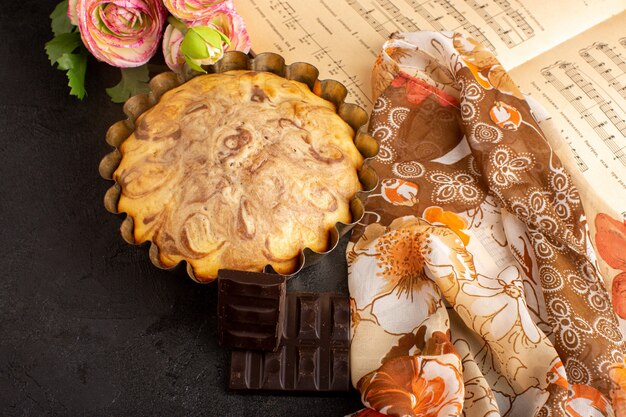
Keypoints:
pixel 243 152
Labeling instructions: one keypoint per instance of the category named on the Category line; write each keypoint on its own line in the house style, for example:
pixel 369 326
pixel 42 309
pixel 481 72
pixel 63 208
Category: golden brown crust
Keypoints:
pixel 238 170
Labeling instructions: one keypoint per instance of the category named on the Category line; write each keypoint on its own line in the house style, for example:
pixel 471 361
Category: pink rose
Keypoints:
pixel 224 19
pixel 200 45
pixel 192 10
pixel 72 14
pixel 172 39
pixel 122 33
pixel 230 23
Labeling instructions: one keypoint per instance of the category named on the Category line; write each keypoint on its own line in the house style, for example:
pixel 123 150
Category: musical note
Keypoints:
pixel 322 55
pixel 598 56
pixel 306 39
pixel 319 54
pixel 407 24
pixel 290 23
pixel 423 11
pixel 367 15
pixel 582 165
pixel 590 98
pixel 579 161
pixel 472 29
pixel 510 35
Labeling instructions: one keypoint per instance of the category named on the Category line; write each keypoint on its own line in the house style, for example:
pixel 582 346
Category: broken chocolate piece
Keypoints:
pixel 313 352
pixel 250 309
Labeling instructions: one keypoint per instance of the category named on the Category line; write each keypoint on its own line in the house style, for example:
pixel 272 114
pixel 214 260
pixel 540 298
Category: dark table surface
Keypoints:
pixel 87 325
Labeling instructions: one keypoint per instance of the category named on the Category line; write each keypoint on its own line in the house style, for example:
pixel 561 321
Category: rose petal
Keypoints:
pixel 172 38
pixel 122 33
pixel 611 241
pixel 192 10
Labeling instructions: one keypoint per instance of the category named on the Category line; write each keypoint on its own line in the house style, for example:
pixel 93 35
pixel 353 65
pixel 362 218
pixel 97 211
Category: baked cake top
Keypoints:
pixel 238 170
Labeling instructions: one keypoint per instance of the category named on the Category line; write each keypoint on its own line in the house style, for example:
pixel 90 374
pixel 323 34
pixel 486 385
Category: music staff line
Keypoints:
pixel 319 53
pixel 582 165
pixel 408 25
pixel 389 18
pixel 366 14
pixel 466 24
pixel 600 65
pixel 421 10
pixel 517 17
pixel 573 73
pixel 504 34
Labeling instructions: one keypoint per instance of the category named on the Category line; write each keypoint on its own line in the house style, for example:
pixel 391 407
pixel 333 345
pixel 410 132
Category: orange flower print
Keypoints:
pixel 611 241
pixel 390 50
pixel 413 344
pixel 397 53
pixel 478 76
pixel 500 79
pixel 408 345
pixel 611 245
pixel 439 344
pixel 399 192
pixel 383 73
pixel 505 116
pixel 473 52
pixel 617 375
pixel 392 264
pixel 556 375
pixel 415 386
pixel 476 58
pixel 436 215
pixel 585 401
pixel 401 259
pixel 418 90
pixel 484 66
pixel 355 317
pixel 618 291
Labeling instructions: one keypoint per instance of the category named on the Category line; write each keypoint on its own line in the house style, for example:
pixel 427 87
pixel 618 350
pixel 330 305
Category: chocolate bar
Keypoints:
pixel 313 352
pixel 250 309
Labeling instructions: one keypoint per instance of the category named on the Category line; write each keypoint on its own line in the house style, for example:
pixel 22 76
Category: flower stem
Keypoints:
pixel 177 24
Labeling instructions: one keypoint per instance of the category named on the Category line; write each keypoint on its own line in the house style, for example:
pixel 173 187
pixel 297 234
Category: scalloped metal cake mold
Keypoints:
pixel 330 90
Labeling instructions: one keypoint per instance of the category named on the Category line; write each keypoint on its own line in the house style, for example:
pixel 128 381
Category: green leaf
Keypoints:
pixel 61 48
pixel 134 81
pixel 64 43
pixel 76 66
pixel 224 38
pixel 197 38
pixel 193 65
pixel 59 22
pixel 209 35
pixel 193 45
pixel 200 43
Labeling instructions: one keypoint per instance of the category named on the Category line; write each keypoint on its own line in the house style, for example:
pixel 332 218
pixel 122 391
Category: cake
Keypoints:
pixel 238 170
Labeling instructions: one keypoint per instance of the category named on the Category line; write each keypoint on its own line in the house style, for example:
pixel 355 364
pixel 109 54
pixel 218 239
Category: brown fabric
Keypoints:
pixel 473 207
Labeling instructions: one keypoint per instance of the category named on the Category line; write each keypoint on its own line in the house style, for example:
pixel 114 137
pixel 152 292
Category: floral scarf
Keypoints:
pixel 474 285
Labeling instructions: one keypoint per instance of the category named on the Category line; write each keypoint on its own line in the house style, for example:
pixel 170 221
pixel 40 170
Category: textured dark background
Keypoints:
pixel 87 325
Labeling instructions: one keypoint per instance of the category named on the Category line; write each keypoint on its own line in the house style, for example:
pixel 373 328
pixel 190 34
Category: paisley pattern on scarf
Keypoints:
pixel 476 241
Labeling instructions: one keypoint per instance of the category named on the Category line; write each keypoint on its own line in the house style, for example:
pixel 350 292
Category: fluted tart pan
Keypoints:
pixel 330 90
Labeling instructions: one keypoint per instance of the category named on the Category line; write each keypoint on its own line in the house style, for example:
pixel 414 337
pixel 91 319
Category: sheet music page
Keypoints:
pixel 582 84
pixel 343 37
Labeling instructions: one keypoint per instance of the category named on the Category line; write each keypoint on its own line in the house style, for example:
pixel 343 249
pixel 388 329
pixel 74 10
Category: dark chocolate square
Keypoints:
pixel 250 309
pixel 313 352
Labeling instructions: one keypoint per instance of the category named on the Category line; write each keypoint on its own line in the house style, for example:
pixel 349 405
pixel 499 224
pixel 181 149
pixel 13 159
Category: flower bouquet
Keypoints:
pixel 127 34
